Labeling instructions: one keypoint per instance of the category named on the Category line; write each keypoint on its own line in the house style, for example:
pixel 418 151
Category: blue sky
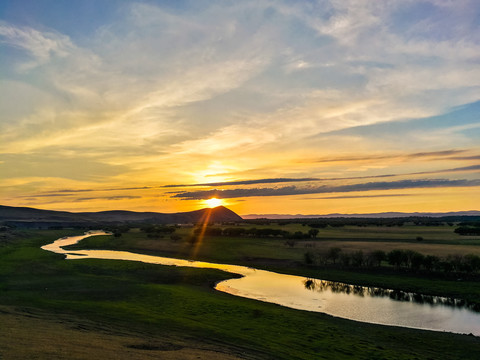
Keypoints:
pixel 108 95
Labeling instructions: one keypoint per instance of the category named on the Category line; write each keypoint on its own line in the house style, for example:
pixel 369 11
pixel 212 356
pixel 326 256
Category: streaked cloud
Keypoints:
pixel 246 182
pixel 357 196
pixel 40 45
pixel 293 190
pixel 421 155
pixel 284 180
pixel 69 192
pixel 109 198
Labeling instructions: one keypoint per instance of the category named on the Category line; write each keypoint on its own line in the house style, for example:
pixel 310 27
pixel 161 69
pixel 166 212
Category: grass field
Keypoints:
pixel 52 308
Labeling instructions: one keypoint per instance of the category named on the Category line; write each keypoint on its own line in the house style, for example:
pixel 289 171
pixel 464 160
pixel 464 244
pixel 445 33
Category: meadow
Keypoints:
pixel 52 308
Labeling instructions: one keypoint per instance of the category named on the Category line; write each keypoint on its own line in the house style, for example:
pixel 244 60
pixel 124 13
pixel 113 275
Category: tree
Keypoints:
pixel 290 242
pixel 378 256
pixel 397 258
pixel 473 261
pixel 345 259
pixel 357 258
pixel 333 254
pixel 175 237
pixel 430 262
pixel 313 233
pixel 416 261
pixel 309 257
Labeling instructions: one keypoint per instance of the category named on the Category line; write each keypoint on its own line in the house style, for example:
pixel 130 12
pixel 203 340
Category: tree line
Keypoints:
pixel 405 260
pixel 254 232
pixel 468 228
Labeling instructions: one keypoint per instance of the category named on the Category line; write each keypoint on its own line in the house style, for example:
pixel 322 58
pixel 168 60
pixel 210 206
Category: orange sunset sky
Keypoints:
pixel 305 107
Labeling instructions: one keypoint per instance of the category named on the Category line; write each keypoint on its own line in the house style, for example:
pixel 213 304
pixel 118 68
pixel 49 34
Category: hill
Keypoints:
pixel 31 217
pixel 383 215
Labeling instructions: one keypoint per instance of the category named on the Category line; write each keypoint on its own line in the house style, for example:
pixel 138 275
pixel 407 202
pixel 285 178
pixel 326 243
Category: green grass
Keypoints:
pixel 179 304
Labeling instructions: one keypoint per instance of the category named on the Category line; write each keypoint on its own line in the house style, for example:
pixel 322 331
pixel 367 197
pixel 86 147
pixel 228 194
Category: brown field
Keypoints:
pixel 441 250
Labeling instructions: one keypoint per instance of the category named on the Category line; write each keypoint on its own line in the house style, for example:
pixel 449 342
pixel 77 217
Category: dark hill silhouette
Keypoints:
pixel 31 217
pixel 384 215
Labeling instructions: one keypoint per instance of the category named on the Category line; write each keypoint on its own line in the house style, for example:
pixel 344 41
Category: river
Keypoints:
pixel 366 304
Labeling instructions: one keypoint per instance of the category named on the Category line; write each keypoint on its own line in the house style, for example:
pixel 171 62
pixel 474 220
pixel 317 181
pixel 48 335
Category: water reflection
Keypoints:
pixel 398 295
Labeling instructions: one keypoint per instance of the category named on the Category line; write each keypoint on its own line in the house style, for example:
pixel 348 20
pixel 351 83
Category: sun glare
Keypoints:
pixel 213 202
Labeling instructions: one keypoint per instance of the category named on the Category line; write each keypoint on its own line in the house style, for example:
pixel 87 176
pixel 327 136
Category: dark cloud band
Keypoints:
pixel 293 190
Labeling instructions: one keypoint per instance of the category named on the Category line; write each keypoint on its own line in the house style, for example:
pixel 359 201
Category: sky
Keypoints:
pixel 275 107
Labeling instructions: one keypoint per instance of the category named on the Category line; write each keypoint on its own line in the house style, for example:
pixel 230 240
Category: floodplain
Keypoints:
pixel 143 310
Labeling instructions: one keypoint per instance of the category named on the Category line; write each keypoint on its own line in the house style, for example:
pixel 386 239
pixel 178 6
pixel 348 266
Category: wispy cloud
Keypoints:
pixel 209 193
pixel 245 182
pixel 285 180
pixel 110 198
pixel 155 93
pixel 356 196
pixel 41 45
pixel 293 190
pixel 67 192
pixel 439 155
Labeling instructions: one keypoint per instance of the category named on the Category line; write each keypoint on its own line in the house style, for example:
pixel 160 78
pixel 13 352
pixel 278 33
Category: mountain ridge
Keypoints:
pixel 30 216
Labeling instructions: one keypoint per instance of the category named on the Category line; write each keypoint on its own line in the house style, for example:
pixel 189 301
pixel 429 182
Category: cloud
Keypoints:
pixel 413 156
pixel 245 182
pixel 108 198
pixel 459 169
pixel 450 129
pixel 473 157
pixel 56 166
pixel 293 190
pixel 42 46
pixel 357 196
pixel 283 180
pixel 70 198
pixel 66 192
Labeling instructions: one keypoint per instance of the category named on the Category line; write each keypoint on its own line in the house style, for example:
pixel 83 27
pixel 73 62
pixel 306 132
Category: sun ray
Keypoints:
pixel 204 222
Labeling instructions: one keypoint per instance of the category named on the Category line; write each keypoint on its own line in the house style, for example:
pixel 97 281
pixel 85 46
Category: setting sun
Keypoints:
pixel 213 202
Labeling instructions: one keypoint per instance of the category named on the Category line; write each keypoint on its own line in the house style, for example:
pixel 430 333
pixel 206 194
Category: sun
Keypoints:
pixel 213 202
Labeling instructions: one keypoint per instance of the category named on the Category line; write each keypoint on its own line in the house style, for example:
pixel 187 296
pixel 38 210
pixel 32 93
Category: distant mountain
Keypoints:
pixel 36 217
pixel 370 215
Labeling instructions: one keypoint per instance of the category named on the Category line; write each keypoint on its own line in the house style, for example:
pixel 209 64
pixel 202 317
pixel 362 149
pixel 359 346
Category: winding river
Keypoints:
pixel 373 305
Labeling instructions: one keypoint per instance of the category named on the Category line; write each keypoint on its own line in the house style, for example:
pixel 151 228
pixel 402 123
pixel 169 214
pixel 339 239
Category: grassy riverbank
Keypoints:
pixel 85 308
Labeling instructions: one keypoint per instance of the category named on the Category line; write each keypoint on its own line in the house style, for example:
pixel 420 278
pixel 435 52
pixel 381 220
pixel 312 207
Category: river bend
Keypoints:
pixel 366 304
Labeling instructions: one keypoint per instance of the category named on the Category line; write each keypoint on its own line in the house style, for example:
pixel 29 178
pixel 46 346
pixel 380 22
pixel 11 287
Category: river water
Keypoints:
pixel 373 305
